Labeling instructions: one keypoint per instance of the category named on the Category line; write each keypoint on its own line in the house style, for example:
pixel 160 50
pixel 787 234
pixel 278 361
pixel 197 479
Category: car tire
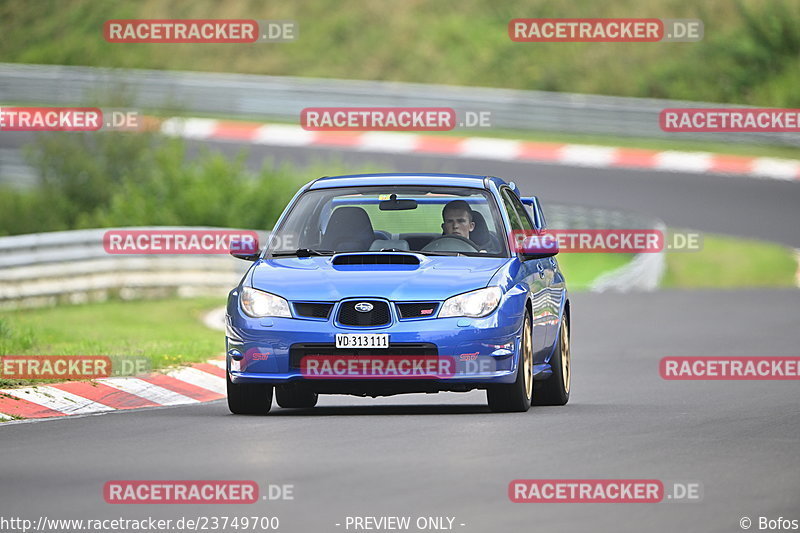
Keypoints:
pixel 248 398
pixel 293 396
pixel 555 389
pixel 516 397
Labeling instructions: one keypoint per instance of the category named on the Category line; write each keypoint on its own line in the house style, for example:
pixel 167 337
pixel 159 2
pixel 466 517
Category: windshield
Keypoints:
pixel 424 219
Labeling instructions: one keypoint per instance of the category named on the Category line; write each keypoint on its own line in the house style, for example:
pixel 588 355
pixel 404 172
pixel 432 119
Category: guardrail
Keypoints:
pixel 276 97
pixel 46 269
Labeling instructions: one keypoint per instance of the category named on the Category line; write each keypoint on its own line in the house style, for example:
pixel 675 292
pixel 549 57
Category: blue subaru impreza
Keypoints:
pixel 383 284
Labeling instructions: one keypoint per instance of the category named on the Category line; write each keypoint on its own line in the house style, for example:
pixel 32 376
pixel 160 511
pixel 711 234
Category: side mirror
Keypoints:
pixel 543 255
pixel 246 257
pixel 534 244
pixel 245 248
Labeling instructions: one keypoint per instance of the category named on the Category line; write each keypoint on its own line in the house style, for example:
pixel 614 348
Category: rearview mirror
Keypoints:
pixel 393 204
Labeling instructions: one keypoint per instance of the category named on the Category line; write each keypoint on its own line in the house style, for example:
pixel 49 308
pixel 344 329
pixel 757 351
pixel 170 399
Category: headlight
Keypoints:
pixel 473 304
pixel 258 304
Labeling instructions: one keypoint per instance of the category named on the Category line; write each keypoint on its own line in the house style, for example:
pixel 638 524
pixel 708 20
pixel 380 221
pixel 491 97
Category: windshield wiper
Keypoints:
pixel 304 252
pixel 451 254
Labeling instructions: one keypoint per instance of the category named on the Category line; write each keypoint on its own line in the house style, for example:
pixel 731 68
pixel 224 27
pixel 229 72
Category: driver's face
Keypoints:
pixel 457 223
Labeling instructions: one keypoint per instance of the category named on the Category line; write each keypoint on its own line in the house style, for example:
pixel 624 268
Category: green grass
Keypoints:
pixel 581 269
pixel 167 332
pixel 748 54
pixel 731 263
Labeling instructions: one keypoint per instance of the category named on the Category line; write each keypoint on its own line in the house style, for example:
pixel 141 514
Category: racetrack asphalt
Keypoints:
pixel 445 454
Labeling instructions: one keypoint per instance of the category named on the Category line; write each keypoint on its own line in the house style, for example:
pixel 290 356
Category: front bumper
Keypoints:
pixel 484 350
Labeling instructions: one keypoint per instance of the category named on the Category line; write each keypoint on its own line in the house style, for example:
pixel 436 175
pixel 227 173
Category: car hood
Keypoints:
pixel 319 279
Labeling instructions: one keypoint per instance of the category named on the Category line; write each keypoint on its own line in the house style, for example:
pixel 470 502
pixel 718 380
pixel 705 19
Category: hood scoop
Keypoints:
pixel 375 259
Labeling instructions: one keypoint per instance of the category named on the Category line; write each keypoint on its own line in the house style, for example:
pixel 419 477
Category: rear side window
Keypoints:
pixel 516 211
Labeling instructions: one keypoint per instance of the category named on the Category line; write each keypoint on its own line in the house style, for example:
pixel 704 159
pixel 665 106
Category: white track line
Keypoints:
pixel 488 148
pixel 191 128
pixel 781 169
pixel 201 379
pixel 384 141
pixel 283 135
pixel 684 161
pixel 588 156
pixel 58 400
pixel 148 391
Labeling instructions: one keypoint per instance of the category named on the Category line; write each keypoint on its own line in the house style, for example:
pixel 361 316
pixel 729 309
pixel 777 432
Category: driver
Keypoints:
pixel 457 216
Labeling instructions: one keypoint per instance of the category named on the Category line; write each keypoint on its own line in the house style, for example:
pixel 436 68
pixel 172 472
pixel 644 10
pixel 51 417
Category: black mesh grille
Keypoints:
pixel 417 309
pixel 313 309
pixel 378 316
pixel 376 259
pixel 298 351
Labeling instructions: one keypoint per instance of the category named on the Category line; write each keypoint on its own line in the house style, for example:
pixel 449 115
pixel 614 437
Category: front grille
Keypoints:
pixel 379 315
pixel 376 259
pixel 417 309
pixel 313 309
pixel 298 351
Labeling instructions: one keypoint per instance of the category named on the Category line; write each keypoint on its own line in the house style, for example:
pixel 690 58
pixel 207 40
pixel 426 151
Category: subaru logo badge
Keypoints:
pixel 363 307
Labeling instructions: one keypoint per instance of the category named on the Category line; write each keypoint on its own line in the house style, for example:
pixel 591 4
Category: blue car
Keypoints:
pixel 382 284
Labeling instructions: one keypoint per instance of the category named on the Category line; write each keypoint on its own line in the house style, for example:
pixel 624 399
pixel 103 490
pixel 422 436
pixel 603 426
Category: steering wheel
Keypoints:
pixel 450 243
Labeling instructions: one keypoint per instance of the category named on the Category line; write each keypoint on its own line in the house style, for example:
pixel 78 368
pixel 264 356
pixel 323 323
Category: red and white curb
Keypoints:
pixel 485 148
pixel 201 382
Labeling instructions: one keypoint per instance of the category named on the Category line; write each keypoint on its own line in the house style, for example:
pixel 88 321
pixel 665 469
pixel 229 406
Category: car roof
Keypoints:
pixel 402 178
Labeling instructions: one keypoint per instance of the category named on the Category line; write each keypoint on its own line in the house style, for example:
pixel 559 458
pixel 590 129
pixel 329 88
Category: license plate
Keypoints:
pixel 362 340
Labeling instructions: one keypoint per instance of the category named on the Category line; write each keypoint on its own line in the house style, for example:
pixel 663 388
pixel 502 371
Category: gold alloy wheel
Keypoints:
pixel 527 358
pixel 566 368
